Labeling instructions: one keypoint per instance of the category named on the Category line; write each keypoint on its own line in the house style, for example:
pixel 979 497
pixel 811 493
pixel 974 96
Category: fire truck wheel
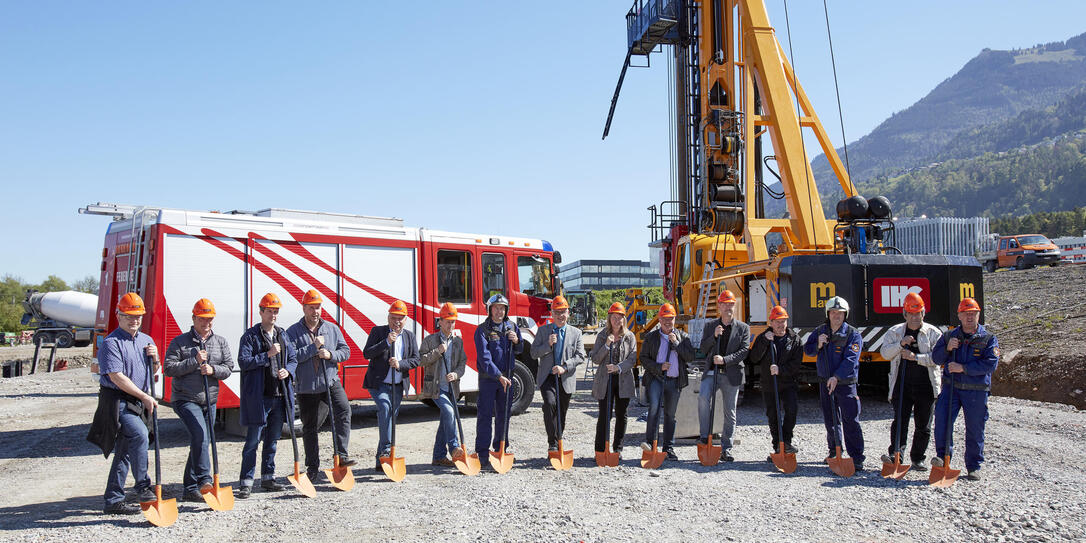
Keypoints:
pixel 523 388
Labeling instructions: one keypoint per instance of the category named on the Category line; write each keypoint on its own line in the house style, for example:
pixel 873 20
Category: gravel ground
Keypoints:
pixel 1032 490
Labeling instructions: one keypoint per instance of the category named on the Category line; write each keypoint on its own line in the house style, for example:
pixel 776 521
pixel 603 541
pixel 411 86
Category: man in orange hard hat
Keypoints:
pixel 392 352
pixel 125 405
pixel 444 361
pixel 914 380
pixel 268 365
pixel 559 349
pixel 320 348
pixel 665 354
pixel 725 343
pixel 191 358
pixel 969 355
pixel 779 353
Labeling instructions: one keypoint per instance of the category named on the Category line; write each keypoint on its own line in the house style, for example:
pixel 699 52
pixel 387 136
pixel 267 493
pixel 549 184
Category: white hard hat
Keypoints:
pixel 836 303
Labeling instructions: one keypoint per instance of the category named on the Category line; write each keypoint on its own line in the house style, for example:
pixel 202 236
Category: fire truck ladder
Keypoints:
pixel 137 215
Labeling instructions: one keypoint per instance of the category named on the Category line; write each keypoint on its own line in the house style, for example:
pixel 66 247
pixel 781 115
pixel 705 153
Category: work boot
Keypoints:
pixel 443 462
pixel 377 468
pixel 726 455
pixel 271 485
pixel 974 475
pixel 936 461
pixel 671 454
pixel 243 492
pixel 146 495
pixel 346 461
pixel 313 476
pixel 192 497
pixel 121 508
pixel 859 466
pixel 459 453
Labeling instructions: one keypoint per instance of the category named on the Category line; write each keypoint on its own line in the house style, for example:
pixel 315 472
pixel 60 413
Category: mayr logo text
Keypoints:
pixel 820 292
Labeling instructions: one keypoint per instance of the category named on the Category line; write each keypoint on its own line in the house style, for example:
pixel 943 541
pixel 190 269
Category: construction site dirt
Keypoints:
pixel 1031 490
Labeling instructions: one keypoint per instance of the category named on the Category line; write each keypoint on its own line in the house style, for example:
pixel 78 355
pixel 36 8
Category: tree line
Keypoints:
pixel 1052 224
pixel 13 292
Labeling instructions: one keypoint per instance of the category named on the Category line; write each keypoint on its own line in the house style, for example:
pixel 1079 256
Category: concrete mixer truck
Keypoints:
pixel 64 318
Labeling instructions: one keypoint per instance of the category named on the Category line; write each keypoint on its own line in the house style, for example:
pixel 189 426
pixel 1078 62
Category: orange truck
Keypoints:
pixel 1022 251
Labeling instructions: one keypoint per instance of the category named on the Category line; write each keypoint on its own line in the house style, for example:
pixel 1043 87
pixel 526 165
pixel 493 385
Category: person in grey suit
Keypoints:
pixel 725 343
pixel 560 350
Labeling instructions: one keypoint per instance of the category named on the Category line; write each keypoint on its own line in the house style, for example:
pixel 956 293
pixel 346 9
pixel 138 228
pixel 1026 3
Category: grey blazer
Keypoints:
pixel 734 355
pixel 625 355
pixel 433 364
pixel 572 355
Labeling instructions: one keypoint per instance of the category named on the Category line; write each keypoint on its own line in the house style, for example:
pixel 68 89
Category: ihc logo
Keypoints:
pixel 966 290
pixel 820 292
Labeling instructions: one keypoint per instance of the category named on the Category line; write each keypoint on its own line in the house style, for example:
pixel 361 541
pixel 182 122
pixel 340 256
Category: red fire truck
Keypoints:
pixel 359 264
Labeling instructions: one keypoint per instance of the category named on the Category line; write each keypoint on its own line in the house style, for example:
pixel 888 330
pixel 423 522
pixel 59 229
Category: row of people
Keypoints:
pixel 302 361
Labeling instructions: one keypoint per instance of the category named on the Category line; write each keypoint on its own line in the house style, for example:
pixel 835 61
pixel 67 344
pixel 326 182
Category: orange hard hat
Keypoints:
pixel 203 308
pixel 726 297
pixel 131 304
pixel 559 302
pixel 667 310
pixel 617 307
pixel 448 311
pixel 968 304
pixel 777 312
pixel 398 308
pixel 914 303
pixel 312 297
pixel 270 300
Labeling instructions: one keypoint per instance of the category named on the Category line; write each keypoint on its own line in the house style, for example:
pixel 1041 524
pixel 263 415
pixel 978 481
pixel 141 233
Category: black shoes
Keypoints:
pixel 919 466
pixel 788 448
pixel 726 456
pixel 121 508
pixel 313 476
pixel 271 485
pixel 192 497
pixel 671 454
pixel 346 461
pixel 243 492
pixel 146 495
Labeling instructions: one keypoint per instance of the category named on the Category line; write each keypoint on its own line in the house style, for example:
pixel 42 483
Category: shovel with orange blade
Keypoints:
pixel 562 459
pixel 785 462
pixel 299 479
pixel 608 458
pixel 654 458
pixel 468 464
pixel 709 454
pixel 219 498
pixel 895 469
pixel 943 476
pixel 500 460
pixel 159 512
pixel 840 465
pixel 340 476
pixel 393 466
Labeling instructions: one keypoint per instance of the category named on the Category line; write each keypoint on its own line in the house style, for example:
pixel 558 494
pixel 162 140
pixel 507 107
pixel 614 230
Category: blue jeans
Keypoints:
pixel 446 440
pixel 668 389
pixel 129 451
pixel 383 397
pixel 975 405
pixel 198 464
pixel 274 413
pixel 731 398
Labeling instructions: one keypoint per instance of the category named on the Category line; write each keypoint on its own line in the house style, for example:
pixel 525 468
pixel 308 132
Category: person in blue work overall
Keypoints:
pixel 968 355
pixel 837 347
pixel 494 339
pixel 392 352
pixel 665 354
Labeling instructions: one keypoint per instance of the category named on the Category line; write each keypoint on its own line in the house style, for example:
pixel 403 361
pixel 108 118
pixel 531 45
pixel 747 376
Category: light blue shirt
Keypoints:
pixel 662 356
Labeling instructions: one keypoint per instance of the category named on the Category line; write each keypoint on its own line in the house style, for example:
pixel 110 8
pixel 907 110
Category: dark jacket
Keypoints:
pixel 979 355
pixel 434 366
pixel 308 380
pixel 789 360
pixel 377 352
pixel 840 357
pixel 650 348
pixel 107 418
pixel 734 354
pixel 187 383
pixel 254 362
pixel 492 349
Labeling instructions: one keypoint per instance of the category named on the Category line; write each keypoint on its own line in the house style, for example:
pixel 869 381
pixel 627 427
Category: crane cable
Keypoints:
pixel 840 112
pixel 799 114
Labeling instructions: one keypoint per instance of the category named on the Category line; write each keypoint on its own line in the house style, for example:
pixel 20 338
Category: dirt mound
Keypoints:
pixel 1039 316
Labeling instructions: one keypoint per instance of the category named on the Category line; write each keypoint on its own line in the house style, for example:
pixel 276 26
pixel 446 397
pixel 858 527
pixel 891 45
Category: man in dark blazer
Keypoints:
pixel 725 343
pixel 392 352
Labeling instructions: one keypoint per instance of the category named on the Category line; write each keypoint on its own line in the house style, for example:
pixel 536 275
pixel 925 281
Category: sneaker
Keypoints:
pixel 271 485
pixel 443 462
pixel 243 492
pixel 973 475
pixel 346 461
pixel 645 446
pixel 192 497
pixel 146 495
pixel 121 508
pixel 726 455
pixel 671 454
pixel 936 462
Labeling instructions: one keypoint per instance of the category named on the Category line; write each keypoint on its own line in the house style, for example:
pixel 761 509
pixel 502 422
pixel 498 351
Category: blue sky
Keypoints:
pixel 471 116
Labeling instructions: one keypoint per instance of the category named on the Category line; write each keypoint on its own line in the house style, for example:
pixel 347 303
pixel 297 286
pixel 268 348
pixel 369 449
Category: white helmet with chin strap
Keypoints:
pixel 836 303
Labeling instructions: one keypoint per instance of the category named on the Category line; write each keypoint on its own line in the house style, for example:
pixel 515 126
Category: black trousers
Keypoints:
pixel 308 408
pixel 549 402
pixel 618 408
pixel 790 406
pixel 918 401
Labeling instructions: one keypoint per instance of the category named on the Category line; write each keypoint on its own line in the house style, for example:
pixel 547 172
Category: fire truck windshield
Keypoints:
pixel 535 276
